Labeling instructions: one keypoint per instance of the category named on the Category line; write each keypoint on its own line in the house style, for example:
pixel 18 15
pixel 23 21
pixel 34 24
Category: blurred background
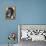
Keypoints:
pixel 27 12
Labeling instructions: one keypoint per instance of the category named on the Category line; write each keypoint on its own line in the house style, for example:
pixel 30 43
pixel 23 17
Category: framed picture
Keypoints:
pixel 32 32
pixel 11 12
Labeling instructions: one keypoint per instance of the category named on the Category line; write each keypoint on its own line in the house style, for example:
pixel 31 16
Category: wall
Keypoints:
pixel 31 11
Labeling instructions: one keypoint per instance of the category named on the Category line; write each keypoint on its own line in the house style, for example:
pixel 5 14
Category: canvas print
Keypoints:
pixel 31 33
